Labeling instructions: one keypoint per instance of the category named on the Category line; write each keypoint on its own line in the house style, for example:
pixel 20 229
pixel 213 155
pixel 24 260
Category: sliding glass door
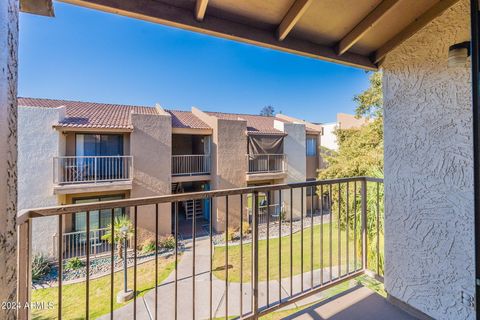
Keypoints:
pixel 95 156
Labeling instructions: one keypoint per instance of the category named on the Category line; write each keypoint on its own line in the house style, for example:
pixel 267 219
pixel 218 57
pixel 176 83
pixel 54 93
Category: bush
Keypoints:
pixel 74 264
pixel 40 267
pixel 231 234
pixel 148 246
pixel 245 228
pixel 167 242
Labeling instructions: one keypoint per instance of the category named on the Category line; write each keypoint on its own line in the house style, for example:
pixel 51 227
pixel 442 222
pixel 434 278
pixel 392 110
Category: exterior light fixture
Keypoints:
pixel 458 54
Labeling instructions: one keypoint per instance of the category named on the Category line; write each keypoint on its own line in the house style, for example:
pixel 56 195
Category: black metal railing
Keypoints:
pixel 249 271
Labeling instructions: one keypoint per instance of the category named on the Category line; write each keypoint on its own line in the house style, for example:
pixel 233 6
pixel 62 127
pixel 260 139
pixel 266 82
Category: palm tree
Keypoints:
pixel 119 223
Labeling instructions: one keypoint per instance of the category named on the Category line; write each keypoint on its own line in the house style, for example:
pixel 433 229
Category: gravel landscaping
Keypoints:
pixel 99 266
pixel 219 239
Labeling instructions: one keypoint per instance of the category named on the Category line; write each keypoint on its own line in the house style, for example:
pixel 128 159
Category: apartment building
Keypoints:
pixel 76 152
pixel 344 121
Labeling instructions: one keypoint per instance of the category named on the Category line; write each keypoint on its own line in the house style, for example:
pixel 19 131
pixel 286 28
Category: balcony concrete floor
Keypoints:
pixel 359 303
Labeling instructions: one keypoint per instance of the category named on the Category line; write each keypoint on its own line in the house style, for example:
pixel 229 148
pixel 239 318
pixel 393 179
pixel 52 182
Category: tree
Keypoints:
pixel 360 153
pixel 267 111
pixel 119 223
pixel 360 150
pixel 370 101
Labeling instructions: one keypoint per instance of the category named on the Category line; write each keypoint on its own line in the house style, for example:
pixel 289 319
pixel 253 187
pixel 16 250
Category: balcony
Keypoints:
pixel 92 172
pixel 266 166
pixel 190 165
pixel 249 276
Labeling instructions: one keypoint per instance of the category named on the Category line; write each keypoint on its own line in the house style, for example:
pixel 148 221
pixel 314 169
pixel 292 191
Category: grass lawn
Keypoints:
pixel 234 254
pixel 74 294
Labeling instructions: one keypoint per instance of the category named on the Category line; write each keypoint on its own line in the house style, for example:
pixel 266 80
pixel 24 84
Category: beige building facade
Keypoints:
pixel 89 152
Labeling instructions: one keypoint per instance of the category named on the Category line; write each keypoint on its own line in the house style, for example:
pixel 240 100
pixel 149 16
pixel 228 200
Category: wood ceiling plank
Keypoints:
pixel 200 9
pixel 39 7
pixel 365 25
pixel 291 18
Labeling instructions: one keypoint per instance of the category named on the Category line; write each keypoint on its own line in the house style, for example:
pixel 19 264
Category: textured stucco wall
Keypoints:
pixel 295 151
pixel 38 143
pixel 8 153
pixel 229 165
pixel 151 148
pixel 429 236
pixel 230 168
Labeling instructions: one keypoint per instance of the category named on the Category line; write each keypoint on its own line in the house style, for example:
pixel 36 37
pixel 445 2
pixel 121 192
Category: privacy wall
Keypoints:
pixel 429 236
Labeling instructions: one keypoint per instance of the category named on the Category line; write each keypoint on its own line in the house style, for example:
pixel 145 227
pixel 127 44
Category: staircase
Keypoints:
pixel 193 207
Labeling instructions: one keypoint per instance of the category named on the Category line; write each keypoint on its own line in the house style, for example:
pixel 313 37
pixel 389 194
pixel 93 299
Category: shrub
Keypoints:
pixel 40 267
pixel 148 246
pixel 245 228
pixel 167 242
pixel 230 234
pixel 74 264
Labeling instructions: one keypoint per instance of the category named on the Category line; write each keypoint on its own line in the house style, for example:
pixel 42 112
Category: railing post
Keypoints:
pixel 255 255
pixel 24 264
pixel 95 169
pixel 364 224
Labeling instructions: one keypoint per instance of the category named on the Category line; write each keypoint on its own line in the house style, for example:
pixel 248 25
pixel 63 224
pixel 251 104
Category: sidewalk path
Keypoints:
pixel 166 291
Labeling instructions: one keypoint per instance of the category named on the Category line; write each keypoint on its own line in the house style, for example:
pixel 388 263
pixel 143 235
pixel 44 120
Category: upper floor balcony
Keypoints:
pixel 71 172
pixel 191 164
pixel 266 166
pixel 266 163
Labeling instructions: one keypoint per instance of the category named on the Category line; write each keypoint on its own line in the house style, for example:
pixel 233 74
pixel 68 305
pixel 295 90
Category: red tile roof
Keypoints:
pixel 186 119
pixel 107 116
pixel 256 124
pixel 90 114
pixel 116 116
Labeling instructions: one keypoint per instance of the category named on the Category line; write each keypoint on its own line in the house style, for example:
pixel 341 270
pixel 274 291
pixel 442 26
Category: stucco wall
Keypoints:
pixel 38 144
pixel 349 121
pixel 8 154
pixel 295 151
pixel 229 165
pixel 429 236
pixel 329 140
pixel 151 148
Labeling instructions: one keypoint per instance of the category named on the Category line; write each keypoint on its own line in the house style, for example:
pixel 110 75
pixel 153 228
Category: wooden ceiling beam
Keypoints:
pixel 200 9
pixel 294 14
pixel 162 13
pixel 365 25
pixel 420 22
pixel 39 7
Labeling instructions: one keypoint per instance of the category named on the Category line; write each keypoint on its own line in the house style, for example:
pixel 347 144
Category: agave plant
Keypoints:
pixel 119 224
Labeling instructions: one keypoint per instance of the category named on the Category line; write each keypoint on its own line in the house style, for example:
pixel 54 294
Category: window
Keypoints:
pixel 98 219
pixel 311 147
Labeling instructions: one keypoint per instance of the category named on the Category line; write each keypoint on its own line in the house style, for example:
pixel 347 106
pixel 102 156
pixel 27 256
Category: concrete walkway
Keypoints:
pixel 166 291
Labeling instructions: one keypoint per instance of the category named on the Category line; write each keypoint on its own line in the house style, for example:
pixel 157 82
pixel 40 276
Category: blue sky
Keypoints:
pixel 88 55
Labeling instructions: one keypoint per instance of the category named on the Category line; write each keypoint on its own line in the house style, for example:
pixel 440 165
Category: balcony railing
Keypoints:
pixel 75 243
pixel 266 163
pixel 85 169
pixel 311 255
pixel 191 164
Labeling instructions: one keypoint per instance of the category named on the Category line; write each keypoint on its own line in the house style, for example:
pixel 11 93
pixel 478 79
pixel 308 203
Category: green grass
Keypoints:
pixel 234 254
pixel 73 296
